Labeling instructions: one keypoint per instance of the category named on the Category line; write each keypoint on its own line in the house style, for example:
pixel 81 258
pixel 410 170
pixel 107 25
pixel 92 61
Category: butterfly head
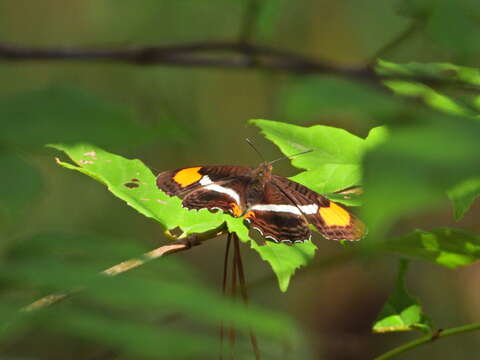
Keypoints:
pixel 263 172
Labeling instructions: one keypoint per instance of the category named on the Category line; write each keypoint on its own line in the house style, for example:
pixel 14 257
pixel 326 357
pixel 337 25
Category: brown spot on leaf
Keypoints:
pixel 86 162
pixel 131 184
pixel 161 201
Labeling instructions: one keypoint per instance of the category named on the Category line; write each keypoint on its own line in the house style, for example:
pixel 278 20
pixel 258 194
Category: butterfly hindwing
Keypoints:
pixel 332 220
pixel 226 195
pixel 277 218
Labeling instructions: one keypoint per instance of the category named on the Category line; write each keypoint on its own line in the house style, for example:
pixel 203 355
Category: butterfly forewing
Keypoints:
pixel 208 187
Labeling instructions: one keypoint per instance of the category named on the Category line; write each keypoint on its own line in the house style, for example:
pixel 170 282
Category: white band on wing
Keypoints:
pixel 205 180
pixel 309 209
pixel 210 185
pixel 277 208
pixel 301 209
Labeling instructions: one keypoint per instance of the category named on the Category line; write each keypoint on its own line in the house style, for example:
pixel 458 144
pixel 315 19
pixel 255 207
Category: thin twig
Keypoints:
pixel 250 18
pixel 176 246
pixel 244 292
pixel 395 41
pixel 436 335
pixel 233 293
pixel 224 287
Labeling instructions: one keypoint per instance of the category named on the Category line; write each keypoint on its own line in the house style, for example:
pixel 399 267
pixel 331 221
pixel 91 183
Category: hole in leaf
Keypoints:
pixel 134 183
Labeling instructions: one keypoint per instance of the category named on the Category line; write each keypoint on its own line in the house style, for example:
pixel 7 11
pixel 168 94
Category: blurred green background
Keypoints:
pixel 173 117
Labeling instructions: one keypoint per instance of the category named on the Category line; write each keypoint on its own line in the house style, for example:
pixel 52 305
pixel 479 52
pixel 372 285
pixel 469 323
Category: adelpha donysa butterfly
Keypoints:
pixel 279 208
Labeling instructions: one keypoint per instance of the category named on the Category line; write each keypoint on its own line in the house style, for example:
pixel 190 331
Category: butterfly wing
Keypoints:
pixel 277 218
pixel 208 187
pixel 332 220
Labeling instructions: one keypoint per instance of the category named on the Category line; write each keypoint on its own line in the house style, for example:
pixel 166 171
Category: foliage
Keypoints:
pixel 56 262
pixel 401 311
pixel 446 246
pixel 334 165
pixel 411 107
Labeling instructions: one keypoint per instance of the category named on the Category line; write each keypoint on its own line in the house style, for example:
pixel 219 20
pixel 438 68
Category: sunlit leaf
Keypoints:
pixel 401 312
pixel 431 97
pixel 335 162
pixel 118 174
pixel 285 260
pixel 432 71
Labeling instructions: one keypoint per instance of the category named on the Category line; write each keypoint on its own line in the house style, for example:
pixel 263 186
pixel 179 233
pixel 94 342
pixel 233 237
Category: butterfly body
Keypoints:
pixel 280 209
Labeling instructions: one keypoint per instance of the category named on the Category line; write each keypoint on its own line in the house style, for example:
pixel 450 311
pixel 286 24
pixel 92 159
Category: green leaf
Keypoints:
pixel 415 8
pixel 21 183
pixel 452 26
pixel 61 114
pixel 413 170
pixel 133 182
pixel 317 97
pixel 284 259
pixel 433 71
pixel 401 312
pixel 335 162
pixel 432 98
pixel 463 195
pixel 49 262
pixel 444 246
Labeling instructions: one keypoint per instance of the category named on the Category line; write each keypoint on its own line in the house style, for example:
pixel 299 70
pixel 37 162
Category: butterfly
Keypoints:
pixel 279 208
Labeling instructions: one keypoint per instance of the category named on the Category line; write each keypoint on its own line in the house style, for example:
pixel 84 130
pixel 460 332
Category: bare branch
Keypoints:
pixel 207 54
pixel 176 246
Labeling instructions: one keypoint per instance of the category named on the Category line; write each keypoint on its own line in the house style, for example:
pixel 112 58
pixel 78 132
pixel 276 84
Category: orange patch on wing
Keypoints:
pixel 235 209
pixel 187 176
pixel 335 215
pixel 249 215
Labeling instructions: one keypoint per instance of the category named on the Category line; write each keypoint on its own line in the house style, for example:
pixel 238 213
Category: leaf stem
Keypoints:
pixel 428 338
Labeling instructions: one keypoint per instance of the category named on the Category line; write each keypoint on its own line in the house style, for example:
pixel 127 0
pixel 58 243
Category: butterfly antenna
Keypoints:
pixel 291 156
pixel 254 148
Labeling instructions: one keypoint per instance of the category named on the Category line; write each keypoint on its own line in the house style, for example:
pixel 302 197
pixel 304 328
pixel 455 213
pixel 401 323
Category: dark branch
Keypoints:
pixel 209 54
pixel 231 55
